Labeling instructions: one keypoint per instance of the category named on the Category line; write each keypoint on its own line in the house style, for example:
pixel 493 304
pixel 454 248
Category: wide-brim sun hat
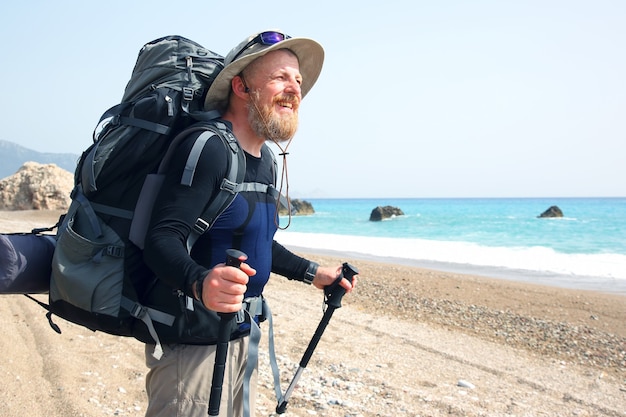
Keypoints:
pixel 310 58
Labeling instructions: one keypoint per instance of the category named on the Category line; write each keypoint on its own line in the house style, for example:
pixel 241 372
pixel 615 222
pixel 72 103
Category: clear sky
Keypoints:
pixel 417 98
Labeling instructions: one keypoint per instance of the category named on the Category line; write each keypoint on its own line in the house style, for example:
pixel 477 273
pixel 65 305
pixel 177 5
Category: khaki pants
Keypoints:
pixel 179 384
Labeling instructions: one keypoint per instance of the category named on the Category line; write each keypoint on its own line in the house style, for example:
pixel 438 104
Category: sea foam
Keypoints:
pixel 536 259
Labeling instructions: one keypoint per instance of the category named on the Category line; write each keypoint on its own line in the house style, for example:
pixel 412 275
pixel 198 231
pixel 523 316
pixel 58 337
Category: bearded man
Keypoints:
pixel 259 93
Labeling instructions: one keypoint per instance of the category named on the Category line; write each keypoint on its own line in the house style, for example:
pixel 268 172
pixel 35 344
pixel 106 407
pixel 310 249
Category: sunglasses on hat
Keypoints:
pixel 263 38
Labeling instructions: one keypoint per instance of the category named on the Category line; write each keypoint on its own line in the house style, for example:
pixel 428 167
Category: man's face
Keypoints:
pixel 275 95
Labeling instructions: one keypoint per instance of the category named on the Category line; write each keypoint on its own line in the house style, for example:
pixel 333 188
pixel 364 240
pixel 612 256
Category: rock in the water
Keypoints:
pixel 386 212
pixel 553 211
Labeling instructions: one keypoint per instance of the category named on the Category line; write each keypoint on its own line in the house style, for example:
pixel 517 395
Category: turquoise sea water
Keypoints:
pixel 497 237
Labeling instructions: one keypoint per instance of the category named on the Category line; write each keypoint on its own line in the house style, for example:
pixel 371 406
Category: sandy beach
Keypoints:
pixel 409 341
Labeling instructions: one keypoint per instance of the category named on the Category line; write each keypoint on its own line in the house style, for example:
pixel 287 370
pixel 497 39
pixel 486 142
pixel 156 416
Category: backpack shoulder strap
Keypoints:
pixel 152 184
pixel 230 184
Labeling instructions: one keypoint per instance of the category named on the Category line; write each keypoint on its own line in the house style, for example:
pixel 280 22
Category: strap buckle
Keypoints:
pixel 201 226
pixel 115 251
pixel 229 186
pixel 252 305
pixel 187 93
pixel 138 311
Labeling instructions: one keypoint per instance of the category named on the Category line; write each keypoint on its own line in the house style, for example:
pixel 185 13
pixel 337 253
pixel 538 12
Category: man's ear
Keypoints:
pixel 240 89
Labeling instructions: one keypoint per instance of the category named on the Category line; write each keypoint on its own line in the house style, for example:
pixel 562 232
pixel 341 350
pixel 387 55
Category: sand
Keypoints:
pixel 409 341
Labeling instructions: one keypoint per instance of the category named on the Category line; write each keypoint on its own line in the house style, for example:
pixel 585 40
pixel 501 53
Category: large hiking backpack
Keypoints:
pixel 98 275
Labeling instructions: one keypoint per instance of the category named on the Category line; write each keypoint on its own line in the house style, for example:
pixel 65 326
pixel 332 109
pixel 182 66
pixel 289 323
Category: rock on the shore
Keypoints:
pixel 298 208
pixel 37 187
pixel 386 212
pixel 553 211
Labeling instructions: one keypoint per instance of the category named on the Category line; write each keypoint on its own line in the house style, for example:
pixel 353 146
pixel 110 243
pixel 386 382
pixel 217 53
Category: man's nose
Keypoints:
pixel 294 87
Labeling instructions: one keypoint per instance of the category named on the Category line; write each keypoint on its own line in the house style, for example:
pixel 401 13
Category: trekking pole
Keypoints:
pixel 334 293
pixel 233 258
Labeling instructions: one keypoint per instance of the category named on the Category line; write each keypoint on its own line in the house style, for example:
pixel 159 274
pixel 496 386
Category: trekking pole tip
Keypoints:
pixel 282 407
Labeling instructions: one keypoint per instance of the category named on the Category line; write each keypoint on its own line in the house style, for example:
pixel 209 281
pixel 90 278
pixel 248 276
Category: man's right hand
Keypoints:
pixel 224 287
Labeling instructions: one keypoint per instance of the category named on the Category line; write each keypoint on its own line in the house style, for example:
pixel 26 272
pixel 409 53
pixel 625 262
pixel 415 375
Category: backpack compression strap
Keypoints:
pixel 228 188
pixel 113 116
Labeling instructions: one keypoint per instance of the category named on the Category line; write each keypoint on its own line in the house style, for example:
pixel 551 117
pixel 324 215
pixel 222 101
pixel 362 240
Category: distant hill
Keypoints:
pixel 13 156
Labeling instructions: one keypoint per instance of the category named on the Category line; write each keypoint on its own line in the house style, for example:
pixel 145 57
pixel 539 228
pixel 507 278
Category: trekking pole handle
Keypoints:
pixel 234 258
pixel 335 292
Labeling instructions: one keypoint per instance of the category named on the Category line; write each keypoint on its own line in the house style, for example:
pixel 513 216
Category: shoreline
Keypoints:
pixel 597 284
pixel 24 221
pixel 526 297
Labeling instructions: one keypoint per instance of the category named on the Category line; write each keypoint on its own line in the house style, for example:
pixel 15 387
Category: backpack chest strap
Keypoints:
pixel 256 187
pixel 228 188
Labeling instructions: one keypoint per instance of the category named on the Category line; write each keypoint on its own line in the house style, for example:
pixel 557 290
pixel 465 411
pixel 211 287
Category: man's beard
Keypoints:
pixel 266 123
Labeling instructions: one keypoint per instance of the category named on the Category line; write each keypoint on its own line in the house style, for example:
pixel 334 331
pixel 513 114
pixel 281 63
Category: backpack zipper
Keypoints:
pixel 170 106
pixel 189 65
